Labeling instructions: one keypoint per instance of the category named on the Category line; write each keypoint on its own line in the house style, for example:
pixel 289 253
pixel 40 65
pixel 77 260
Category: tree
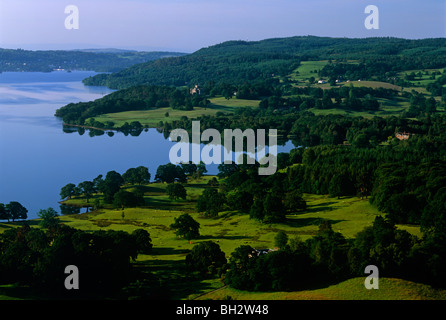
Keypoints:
pixel 130 176
pixel 206 257
pixel 186 227
pixel 201 169
pixel 143 174
pixel 48 217
pixel 98 183
pixel 123 198
pixel 139 175
pixel 281 240
pixel 335 188
pixel 189 168
pixel 274 209
pixel 257 211
pixel 68 191
pixel 87 188
pixel 211 202
pixel 112 183
pixel 239 200
pixel 143 241
pixel 227 169
pixel 361 141
pixel 294 201
pixel 170 173
pixel 15 210
pixel 3 213
pixel 176 190
pixel 242 260
pixel 308 157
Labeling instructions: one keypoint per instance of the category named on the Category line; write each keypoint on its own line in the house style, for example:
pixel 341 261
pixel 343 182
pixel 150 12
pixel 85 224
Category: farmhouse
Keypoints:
pixel 195 90
pixel 402 135
pixel 260 252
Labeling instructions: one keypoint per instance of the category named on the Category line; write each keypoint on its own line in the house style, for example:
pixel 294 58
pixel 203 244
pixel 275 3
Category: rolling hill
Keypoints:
pixel 237 62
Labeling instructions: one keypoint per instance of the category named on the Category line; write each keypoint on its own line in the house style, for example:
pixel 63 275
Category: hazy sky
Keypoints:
pixel 188 25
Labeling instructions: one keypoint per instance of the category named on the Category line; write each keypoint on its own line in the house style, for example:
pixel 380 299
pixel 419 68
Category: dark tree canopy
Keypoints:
pixel 170 173
pixel 186 227
pixel 206 257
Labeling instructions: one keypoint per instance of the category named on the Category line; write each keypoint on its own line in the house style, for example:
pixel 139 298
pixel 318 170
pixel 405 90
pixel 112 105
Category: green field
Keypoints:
pixel 352 289
pixel 152 118
pixel 423 77
pixel 230 229
pixel 388 107
pixel 306 70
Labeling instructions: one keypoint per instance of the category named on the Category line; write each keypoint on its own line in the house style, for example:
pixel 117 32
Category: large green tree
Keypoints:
pixel 206 257
pixel 112 183
pixel 138 175
pixel 186 227
pixel 15 210
pixel 68 191
pixel 48 217
pixel 143 241
pixel 176 191
pixel 87 188
pixel 170 173
pixel 123 199
pixel 3 213
pixel 210 202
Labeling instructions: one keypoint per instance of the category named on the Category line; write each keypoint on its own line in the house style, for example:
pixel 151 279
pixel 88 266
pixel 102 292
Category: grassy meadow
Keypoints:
pixel 230 229
pixel 151 118
pixel 306 70
pixel 352 289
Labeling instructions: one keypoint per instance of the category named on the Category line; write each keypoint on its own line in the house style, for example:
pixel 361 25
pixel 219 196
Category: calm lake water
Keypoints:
pixel 37 158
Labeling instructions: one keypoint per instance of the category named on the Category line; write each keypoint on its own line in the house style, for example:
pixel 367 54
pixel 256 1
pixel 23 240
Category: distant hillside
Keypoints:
pixel 100 60
pixel 240 61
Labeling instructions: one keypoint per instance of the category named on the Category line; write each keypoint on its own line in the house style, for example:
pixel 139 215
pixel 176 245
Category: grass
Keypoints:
pixel 152 118
pixel 306 70
pixel 230 229
pixel 425 79
pixel 352 289
pixel 388 107
pixel 372 84
pixel 348 215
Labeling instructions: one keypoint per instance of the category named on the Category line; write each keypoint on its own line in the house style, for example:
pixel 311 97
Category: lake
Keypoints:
pixel 37 158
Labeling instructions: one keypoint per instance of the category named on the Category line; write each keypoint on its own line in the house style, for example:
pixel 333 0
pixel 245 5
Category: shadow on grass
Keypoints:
pixel 304 222
pixel 160 251
pixel 18 224
pixel 326 206
pixel 172 275
pixel 18 292
pixel 152 189
pixel 222 237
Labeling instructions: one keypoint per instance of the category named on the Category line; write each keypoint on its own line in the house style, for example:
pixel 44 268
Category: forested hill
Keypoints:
pixel 106 60
pixel 236 62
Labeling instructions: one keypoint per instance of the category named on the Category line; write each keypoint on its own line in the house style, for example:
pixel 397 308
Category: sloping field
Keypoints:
pixel 352 289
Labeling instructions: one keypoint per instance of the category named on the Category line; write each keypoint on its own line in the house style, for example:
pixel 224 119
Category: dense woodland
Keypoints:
pixel 235 62
pixel 14 60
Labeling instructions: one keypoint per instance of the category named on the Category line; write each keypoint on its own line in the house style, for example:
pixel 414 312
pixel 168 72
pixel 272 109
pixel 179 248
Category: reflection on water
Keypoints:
pixel 38 156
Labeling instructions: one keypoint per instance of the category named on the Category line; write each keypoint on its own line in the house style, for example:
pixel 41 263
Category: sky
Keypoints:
pixel 188 25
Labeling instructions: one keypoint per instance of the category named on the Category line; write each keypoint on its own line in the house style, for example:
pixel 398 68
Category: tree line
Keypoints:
pixel 328 257
pixel 12 211
pixel 38 257
pixel 131 99
pixel 47 60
